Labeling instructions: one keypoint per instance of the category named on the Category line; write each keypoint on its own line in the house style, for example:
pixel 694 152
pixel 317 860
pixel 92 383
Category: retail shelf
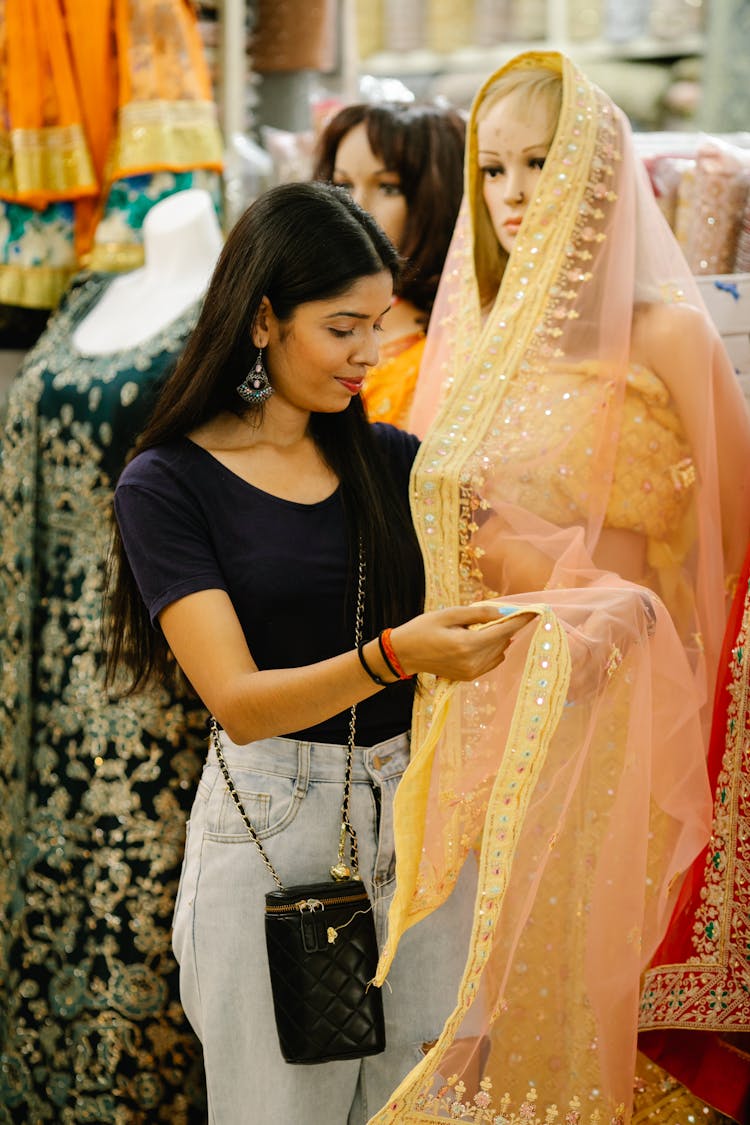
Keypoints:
pixel 486 59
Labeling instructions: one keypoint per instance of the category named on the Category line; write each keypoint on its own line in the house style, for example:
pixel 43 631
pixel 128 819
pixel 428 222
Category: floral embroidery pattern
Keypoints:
pixel 451 1102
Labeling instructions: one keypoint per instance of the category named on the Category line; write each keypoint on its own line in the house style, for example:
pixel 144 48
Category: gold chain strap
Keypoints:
pixel 340 870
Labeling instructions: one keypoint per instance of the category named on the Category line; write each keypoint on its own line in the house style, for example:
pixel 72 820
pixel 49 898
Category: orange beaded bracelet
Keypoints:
pixel 389 656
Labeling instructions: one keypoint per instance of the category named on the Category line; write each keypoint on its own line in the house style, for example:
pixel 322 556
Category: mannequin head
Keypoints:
pixel 515 124
pixel 403 163
pixel 371 182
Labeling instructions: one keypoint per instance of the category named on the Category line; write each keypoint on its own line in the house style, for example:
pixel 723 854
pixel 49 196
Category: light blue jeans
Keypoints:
pixel 292 792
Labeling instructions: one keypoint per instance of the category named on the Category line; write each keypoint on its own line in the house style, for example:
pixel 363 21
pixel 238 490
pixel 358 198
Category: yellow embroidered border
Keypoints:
pixel 162 134
pixel 114 257
pixel 53 163
pixel 514 785
pixel 33 287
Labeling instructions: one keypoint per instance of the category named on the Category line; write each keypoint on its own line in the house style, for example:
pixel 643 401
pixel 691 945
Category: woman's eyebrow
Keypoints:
pixel 357 315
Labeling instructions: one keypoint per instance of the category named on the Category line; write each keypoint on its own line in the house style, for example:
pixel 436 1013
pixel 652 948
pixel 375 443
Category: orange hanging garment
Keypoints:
pixel 47 155
pixel 167 120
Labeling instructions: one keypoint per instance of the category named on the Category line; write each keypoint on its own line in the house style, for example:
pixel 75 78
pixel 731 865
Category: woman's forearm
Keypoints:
pixel 206 639
pixel 276 701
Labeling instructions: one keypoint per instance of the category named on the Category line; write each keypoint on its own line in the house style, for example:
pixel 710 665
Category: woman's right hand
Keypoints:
pixel 447 642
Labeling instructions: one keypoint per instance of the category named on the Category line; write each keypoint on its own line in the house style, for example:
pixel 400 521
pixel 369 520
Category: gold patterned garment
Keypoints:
pixel 662 1100
pixel 93 794
pixel 586 454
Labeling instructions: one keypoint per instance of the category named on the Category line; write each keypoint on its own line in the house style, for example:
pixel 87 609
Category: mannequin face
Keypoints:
pixel 513 140
pixel 317 360
pixel 375 188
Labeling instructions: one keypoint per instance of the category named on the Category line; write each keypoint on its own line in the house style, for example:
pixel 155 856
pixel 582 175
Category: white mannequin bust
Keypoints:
pixel 181 241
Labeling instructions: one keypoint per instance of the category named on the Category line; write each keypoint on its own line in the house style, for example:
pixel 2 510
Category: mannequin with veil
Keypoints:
pixel 94 792
pixel 585 439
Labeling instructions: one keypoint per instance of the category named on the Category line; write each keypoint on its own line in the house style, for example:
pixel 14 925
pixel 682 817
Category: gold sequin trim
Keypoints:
pixel 162 134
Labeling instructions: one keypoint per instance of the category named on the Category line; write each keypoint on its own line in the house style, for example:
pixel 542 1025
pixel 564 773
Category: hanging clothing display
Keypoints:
pixel 576 771
pixel 104 110
pixel 94 791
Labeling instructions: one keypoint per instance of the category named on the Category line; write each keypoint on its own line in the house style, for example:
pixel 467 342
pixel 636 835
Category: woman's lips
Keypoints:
pixel 353 386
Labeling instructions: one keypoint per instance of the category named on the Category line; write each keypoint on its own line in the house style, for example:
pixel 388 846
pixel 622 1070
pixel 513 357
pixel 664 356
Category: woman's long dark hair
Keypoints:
pixel 424 144
pixel 296 243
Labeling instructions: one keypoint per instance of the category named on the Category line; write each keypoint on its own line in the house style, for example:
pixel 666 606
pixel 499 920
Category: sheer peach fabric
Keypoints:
pixel 577 770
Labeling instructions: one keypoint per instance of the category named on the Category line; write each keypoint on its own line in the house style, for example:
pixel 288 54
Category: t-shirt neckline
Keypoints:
pixel 262 491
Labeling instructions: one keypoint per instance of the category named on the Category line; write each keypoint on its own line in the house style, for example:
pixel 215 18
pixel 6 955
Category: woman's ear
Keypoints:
pixel 262 324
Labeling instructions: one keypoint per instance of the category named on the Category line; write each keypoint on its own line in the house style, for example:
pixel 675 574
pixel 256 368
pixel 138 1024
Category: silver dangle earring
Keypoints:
pixel 256 387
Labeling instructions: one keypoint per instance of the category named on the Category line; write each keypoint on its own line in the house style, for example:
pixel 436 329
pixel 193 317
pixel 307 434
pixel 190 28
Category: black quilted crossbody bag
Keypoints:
pixel 322 949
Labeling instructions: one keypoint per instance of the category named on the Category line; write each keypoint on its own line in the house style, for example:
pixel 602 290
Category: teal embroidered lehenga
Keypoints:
pixel 94 794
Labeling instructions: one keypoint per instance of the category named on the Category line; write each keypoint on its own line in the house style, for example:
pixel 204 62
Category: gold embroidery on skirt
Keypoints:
pixel 662 1100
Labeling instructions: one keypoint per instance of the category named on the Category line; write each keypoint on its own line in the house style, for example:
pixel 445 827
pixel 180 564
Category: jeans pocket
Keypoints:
pixel 270 802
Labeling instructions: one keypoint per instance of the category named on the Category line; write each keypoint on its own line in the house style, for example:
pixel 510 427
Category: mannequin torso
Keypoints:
pixel 182 240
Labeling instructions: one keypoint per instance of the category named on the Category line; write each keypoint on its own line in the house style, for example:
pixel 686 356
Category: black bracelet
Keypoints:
pixel 373 675
pixel 386 661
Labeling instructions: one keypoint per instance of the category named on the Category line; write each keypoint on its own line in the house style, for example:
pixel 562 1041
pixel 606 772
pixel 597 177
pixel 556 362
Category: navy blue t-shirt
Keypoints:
pixel 189 524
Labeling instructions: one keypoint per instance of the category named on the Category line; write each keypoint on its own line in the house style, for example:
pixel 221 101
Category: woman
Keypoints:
pixel 403 164
pixel 261 523
pixel 583 429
